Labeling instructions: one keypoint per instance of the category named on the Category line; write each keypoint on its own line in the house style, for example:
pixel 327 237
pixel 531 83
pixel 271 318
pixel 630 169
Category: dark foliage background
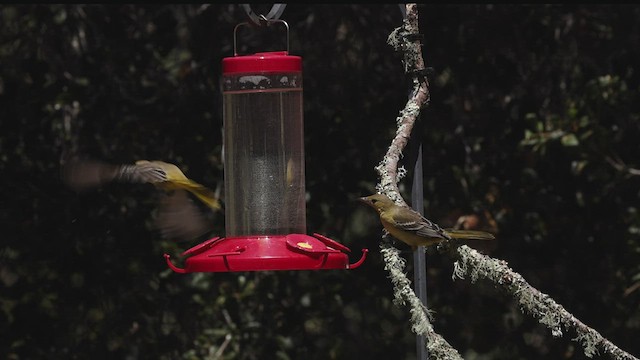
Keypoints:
pixel 528 102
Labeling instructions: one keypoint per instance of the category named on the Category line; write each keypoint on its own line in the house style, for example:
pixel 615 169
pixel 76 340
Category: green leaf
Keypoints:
pixel 569 140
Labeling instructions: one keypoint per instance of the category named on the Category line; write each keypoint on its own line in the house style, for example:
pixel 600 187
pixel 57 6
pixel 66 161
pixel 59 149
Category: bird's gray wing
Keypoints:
pixel 423 227
pixel 178 218
pixel 146 172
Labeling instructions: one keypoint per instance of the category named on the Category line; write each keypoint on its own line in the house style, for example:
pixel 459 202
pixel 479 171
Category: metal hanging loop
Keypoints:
pixel 260 20
pixel 264 19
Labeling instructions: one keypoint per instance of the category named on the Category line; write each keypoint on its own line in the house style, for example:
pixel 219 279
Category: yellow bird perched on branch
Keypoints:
pixel 414 229
pixel 178 216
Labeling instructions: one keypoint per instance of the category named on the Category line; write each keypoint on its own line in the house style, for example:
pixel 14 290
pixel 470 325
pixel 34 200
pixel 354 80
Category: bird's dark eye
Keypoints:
pixel 373 201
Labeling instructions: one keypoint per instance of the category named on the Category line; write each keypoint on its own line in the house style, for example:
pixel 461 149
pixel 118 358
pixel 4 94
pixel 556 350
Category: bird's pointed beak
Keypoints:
pixel 364 200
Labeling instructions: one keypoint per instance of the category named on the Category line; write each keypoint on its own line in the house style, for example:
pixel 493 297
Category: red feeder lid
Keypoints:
pixel 257 253
pixel 276 61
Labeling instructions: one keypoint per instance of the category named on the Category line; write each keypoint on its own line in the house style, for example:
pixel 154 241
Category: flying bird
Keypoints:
pixel 178 216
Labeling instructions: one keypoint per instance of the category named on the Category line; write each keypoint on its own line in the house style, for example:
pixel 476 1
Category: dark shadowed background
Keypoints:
pixel 533 124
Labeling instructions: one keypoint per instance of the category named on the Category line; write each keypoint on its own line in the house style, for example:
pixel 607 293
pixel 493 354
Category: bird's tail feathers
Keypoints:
pixel 470 234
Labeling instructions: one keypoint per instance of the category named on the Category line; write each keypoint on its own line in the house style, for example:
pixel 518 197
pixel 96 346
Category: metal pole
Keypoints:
pixel 419 258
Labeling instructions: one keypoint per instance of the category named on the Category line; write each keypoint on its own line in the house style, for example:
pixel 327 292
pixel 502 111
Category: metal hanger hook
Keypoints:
pixel 269 23
pixel 260 20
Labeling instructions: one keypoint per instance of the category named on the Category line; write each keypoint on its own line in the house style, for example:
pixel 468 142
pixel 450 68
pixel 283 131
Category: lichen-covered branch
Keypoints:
pixel 405 39
pixel 437 346
pixel 470 263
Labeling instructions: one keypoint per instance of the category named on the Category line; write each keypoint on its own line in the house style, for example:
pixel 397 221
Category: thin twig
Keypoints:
pixel 221 349
pixel 621 166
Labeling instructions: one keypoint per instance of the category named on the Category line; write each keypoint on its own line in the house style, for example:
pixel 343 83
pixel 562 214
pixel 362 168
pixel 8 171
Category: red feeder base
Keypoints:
pixel 258 253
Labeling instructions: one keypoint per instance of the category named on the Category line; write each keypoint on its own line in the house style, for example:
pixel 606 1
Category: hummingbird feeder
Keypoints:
pixel 265 217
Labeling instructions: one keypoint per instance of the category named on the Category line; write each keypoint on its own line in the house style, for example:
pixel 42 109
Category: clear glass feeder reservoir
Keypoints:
pixel 264 181
pixel 264 145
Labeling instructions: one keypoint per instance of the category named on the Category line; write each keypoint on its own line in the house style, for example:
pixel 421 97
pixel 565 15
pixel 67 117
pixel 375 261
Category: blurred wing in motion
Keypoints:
pixel 88 174
pixel 179 218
